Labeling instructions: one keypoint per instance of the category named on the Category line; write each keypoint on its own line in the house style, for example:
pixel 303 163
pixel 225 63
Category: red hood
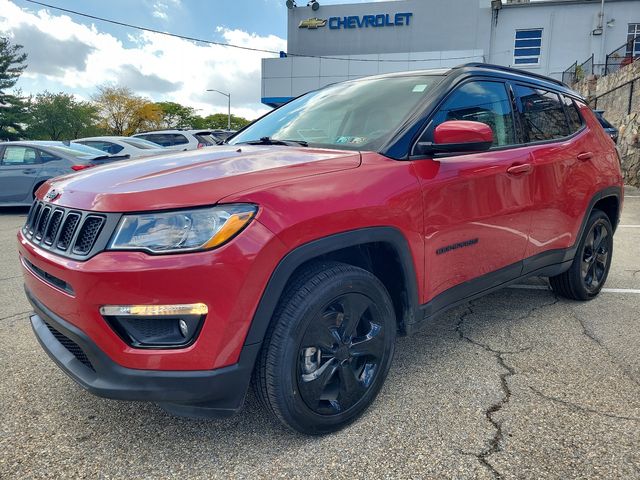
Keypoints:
pixel 199 177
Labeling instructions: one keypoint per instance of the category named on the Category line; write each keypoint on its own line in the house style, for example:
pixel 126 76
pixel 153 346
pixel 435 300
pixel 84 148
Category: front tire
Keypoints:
pixel 328 350
pixel 590 268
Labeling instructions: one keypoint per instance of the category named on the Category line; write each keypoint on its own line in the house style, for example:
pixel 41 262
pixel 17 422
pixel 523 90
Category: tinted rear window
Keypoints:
pixel 206 139
pixel 166 139
pixel 573 115
pixel 542 114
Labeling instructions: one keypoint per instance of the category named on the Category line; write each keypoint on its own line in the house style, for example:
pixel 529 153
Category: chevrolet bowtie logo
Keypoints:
pixel 313 23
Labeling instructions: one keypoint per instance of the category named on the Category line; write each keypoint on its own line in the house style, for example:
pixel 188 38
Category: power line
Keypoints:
pixel 242 47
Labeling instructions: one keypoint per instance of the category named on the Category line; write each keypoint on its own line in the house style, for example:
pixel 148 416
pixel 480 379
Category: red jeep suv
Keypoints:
pixel 293 255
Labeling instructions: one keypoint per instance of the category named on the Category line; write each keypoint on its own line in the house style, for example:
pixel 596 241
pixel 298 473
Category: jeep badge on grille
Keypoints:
pixel 52 195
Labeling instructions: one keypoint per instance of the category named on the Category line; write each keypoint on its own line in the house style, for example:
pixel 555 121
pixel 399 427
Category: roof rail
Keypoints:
pixel 513 70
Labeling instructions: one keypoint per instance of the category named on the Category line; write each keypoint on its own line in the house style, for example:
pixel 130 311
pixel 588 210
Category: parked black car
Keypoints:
pixel 610 129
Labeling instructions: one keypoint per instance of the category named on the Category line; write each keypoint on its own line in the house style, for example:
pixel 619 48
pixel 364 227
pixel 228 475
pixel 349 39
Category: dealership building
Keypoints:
pixel 340 42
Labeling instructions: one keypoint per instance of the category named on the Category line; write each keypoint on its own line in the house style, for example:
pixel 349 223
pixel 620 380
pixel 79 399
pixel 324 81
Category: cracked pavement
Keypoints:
pixel 518 384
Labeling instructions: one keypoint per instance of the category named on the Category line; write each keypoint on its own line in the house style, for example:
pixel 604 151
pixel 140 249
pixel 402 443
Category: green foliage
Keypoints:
pixel 59 116
pixel 175 115
pixel 219 120
pixel 12 106
pixel 122 112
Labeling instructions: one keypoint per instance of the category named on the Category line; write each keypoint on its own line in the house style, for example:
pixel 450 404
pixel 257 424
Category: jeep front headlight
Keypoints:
pixel 182 230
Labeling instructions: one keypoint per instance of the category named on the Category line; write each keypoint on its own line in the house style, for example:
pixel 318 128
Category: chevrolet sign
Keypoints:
pixel 366 21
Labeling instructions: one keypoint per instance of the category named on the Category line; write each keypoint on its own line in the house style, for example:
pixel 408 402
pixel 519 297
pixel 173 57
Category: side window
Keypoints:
pixel 542 114
pixel 15 155
pixel 177 139
pixel 479 101
pixel 113 148
pixel 158 138
pixel 94 144
pixel 573 115
pixel 47 157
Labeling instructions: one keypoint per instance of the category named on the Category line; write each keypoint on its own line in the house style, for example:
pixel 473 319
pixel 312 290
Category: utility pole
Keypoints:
pixel 228 95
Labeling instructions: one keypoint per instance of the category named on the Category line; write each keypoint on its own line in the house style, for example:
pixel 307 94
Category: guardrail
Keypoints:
pixel 623 55
pixel 570 74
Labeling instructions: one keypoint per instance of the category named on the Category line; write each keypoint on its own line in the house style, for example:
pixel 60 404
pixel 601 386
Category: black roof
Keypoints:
pixel 516 74
pixel 498 71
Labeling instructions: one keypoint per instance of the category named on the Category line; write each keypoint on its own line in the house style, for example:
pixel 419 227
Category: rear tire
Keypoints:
pixel 328 349
pixel 588 272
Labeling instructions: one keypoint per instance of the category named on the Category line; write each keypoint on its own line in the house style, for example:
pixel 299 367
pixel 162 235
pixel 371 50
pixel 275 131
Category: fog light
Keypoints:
pixel 156 326
pixel 184 328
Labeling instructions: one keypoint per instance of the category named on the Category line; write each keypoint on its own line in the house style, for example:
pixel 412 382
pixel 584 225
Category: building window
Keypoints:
pixel 527 48
pixel 633 40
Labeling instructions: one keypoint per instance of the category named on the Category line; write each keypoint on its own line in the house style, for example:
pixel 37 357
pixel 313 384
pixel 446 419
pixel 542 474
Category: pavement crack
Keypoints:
pixel 496 443
pixel 10 278
pixel 580 408
pixel 592 336
pixel 15 315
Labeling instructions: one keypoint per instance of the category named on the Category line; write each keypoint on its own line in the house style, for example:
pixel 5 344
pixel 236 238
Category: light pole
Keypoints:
pixel 228 95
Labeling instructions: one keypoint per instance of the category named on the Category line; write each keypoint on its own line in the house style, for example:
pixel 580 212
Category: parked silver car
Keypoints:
pixel 182 140
pixel 24 166
pixel 134 147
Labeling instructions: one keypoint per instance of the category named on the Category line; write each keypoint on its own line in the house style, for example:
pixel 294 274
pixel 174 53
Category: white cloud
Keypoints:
pixel 160 14
pixel 154 65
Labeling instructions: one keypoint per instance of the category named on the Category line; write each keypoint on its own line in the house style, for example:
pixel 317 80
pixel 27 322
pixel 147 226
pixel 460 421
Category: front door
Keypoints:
pixel 477 206
pixel 19 170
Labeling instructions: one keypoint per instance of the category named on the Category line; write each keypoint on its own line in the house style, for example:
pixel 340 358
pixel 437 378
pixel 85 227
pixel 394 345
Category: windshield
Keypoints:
pixel 141 143
pixel 355 115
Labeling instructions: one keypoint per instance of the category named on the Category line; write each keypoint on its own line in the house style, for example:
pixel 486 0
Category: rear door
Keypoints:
pixel 19 169
pixel 477 213
pixel 557 139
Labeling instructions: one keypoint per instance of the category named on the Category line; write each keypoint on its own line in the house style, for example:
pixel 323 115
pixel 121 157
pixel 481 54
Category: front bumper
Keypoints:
pixel 216 393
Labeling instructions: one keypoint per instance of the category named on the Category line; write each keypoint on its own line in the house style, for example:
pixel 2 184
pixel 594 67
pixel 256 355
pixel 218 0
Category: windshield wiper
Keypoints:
pixel 272 141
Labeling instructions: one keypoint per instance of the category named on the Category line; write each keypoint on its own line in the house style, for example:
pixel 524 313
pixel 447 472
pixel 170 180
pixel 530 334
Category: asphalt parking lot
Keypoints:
pixel 518 384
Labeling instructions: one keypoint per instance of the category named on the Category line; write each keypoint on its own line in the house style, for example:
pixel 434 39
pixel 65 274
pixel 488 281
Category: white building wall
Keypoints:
pixel 443 33
pixel 283 78
pixel 567 32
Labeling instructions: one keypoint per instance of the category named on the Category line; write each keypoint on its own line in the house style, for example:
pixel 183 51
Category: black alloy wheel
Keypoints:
pixel 340 354
pixel 588 272
pixel 595 257
pixel 328 349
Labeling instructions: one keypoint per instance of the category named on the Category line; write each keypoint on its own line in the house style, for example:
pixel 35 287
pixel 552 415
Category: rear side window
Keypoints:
pixel 542 114
pixel 479 101
pixel 206 139
pixel 573 115
pixel 47 157
pixel 107 147
pixel 166 139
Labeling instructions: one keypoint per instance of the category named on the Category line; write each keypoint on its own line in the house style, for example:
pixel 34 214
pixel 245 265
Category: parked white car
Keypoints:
pixel 134 147
pixel 182 139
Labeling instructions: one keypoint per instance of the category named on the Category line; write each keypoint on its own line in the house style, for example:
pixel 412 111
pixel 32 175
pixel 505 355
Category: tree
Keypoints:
pixel 175 115
pixel 123 113
pixel 12 107
pixel 219 120
pixel 59 116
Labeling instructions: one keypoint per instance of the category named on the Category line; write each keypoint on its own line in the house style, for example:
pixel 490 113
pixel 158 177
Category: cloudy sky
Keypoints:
pixel 74 54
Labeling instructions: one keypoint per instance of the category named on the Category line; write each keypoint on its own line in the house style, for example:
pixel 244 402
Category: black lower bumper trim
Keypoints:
pixel 211 393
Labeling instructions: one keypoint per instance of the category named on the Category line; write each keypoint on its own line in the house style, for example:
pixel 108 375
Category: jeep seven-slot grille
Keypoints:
pixel 68 232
